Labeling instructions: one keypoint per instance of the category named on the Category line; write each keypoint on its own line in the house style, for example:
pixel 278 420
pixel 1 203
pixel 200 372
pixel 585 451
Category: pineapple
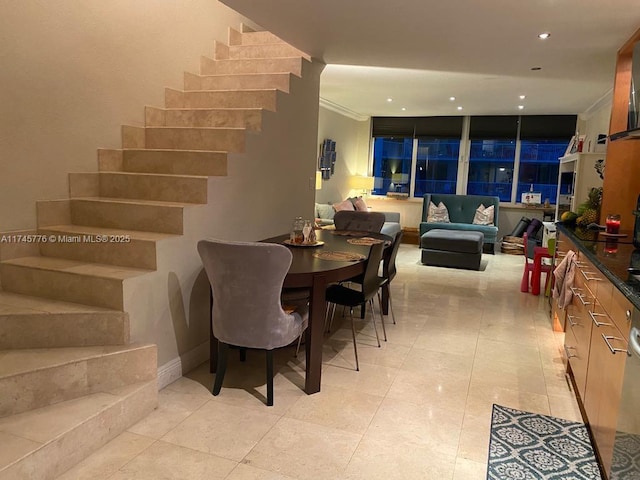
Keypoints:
pixel 589 211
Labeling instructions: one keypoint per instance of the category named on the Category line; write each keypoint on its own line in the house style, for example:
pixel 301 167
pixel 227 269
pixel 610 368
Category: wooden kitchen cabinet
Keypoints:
pixel 598 322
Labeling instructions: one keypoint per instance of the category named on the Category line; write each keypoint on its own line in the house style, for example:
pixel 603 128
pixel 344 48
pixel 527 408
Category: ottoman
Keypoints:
pixel 452 248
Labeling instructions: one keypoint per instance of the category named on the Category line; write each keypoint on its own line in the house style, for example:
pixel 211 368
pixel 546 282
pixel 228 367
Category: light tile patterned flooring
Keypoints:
pixel 419 408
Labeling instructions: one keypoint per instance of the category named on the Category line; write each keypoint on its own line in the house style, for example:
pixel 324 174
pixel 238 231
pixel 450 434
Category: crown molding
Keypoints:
pixel 334 107
pixel 604 101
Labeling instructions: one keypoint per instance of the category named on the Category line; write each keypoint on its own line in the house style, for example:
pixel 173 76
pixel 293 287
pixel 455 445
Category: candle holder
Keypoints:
pixel 613 223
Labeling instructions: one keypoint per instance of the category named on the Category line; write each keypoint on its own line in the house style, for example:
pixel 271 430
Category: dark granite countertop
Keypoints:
pixel 613 259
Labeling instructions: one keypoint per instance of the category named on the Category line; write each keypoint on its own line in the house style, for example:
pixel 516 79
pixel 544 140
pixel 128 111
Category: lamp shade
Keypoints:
pixel 359 182
pixel 318 180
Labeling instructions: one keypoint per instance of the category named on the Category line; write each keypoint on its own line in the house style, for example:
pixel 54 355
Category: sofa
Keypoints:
pixel 325 212
pixel 462 210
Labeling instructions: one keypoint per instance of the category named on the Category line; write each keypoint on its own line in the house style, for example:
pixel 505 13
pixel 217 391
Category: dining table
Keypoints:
pixel 335 257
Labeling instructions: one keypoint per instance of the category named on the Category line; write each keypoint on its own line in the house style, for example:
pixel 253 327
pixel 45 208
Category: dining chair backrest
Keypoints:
pixel 371 280
pixel 389 264
pixel 359 221
pixel 246 280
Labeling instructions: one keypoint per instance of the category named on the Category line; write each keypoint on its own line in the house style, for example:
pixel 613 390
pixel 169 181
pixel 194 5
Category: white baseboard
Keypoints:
pixel 174 369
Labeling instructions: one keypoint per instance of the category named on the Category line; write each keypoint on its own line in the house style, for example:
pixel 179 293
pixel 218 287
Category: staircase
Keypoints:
pixel 70 377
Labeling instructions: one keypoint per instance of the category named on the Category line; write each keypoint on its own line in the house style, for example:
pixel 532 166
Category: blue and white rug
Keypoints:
pixel 626 457
pixel 529 446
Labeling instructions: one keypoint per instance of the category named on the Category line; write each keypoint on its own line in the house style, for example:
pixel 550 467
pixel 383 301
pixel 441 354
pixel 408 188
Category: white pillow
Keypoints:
pixel 484 215
pixel 438 214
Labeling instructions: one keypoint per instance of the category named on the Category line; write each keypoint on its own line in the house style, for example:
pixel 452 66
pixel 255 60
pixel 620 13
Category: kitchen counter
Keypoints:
pixel 614 261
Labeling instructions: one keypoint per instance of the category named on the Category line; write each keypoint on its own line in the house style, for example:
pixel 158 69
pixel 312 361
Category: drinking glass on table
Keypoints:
pixel 613 223
pixel 306 231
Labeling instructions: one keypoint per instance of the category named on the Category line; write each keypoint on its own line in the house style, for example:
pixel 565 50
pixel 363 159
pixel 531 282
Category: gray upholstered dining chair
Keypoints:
pixel 359 221
pixel 338 294
pixel 246 282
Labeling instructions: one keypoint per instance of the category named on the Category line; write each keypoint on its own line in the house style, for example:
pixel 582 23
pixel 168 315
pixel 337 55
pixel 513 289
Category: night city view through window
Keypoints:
pixel 432 166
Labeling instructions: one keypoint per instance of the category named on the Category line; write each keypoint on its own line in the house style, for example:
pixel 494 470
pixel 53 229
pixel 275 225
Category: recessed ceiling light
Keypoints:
pixel 452 99
pixel 544 35
pixel 522 97
pixel 389 99
pixel 459 108
pixel 520 107
pixel 536 68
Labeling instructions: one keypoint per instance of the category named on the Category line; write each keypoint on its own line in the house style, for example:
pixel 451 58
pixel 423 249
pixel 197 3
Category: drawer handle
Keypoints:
pixel 561 254
pixel 566 350
pixel 596 322
pixel 582 300
pixel 587 278
pixel 580 264
pixel 571 322
pixel 606 339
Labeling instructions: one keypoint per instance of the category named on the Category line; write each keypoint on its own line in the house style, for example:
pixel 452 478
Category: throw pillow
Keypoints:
pixel 438 214
pixel 344 205
pixel 360 205
pixel 483 215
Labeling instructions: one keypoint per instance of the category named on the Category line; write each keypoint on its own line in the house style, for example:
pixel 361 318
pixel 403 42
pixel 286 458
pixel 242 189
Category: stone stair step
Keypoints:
pixel 245 81
pixel 67 280
pixel 196 138
pixel 35 322
pixel 44 443
pixel 181 162
pixel 252 38
pixel 123 214
pixel 46 376
pixel 234 98
pixel 269 50
pixel 248 118
pixel 209 66
pixel 127 248
pixel 154 186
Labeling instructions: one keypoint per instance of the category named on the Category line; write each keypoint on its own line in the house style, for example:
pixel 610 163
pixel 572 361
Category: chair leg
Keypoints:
pixel 524 283
pixel 373 319
pixel 328 319
pixel 384 330
pixel 223 348
pixel 299 342
pixel 243 354
pixel 269 378
pixel 353 334
pixel 393 315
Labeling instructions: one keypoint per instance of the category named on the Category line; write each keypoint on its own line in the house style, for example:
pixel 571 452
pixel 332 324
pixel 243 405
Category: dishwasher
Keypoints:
pixel 626 449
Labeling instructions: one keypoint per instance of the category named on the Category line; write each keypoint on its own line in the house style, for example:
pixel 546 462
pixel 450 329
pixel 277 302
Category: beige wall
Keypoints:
pixel 74 71
pixel 352 139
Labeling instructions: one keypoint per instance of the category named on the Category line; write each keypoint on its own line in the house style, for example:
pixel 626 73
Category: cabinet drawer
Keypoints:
pixel 577 342
pixel 620 311
pixel 590 275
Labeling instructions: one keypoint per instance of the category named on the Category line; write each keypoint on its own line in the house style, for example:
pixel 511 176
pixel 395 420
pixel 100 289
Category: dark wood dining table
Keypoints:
pixel 309 271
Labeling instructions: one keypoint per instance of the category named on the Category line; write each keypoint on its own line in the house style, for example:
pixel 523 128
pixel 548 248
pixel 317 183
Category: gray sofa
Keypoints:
pixel 325 212
pixel 462 209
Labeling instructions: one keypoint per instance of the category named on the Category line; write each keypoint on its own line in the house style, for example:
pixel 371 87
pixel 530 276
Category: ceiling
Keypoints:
pixel 419 53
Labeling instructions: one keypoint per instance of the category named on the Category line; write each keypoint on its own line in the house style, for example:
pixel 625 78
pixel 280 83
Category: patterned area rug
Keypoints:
pixel 626 457
pixel 529 446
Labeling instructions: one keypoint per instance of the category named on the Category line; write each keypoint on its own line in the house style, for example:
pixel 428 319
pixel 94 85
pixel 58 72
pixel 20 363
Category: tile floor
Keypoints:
pixel 419 408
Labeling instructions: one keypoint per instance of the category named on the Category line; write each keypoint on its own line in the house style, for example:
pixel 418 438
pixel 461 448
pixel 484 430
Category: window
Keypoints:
pixel 491 164
pixel 437 166
pixel 507 155
pixel 392 167
pixel 539 167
